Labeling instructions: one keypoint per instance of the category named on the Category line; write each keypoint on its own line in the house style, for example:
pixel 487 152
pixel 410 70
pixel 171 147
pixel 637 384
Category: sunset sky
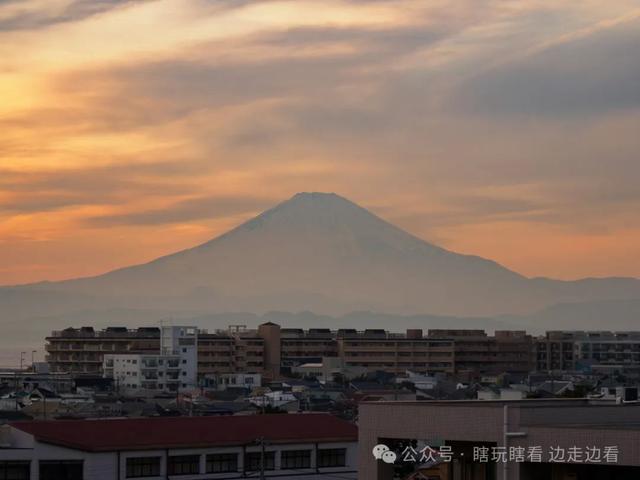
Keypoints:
pixel 506 129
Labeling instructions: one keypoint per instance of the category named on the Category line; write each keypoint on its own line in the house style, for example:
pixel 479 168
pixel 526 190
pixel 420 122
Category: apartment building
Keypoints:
pixel 182 341
pixel 278 447
pixel 303 346
pixel 232 351
pixel 82 350
pixel 136 374
pixel 269 349
pixel 475 352
pixel 579 350
pixel 396 353
pixel 174 368
pixel 445 351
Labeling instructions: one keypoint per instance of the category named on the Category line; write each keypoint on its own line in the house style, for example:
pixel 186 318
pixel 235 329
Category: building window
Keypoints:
pixel 222 463
pixel 332 457
pixel 15 470
pixel 252 461
pixel 61 470
pixel 143 467
pixel 184 465
pixel 295 459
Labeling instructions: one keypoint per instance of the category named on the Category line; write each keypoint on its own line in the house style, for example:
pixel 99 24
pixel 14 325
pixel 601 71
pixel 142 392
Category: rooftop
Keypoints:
pixel 189 432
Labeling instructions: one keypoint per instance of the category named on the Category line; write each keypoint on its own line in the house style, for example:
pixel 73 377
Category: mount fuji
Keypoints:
pixel 317 252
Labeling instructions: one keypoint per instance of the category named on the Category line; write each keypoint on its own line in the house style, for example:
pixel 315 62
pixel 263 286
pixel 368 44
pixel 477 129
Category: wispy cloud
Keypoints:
pixel 493 127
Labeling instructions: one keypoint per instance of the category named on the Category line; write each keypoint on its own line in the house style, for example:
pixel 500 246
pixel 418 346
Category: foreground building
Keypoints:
pixel 301 446
pixel 504 440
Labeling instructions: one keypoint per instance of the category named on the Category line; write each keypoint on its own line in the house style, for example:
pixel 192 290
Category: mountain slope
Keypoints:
pixel 322 252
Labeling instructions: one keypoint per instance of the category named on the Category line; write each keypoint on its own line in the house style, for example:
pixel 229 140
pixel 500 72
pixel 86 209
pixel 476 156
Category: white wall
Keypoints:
pixel 103 466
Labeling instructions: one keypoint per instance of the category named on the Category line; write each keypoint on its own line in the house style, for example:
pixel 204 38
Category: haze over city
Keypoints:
pixel 133 129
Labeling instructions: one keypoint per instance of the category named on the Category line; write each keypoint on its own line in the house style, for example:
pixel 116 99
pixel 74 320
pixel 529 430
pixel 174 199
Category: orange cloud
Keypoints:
pixel 137 129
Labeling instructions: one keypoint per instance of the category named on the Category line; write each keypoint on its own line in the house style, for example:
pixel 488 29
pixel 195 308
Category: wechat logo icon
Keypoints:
pixel 382 452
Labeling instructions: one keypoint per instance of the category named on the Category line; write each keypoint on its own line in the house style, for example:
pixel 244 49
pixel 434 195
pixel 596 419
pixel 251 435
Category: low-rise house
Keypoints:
pixel 495 393
pixel 419 381
pixel 224 381
pixel 282 400
pixel 554 387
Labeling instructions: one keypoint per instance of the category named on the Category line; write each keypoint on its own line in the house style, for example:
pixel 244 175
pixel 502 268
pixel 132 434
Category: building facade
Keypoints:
pixel 271 350
pixel 283 446
pixel 588 350
pixel 475 352
pixel 231 351
pixel 135 374
pixel 182 341
pixel 396 353
pixel 500 440
pixel 82 350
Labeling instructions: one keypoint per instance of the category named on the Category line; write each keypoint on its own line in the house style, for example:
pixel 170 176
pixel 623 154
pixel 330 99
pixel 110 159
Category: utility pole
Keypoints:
pixel 33 362
pixel 18 376
pixel 262 442
pixel 262 459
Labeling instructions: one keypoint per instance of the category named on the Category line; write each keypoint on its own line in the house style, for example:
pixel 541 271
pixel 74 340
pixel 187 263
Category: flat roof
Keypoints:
pixel 189 432
pixel 525 402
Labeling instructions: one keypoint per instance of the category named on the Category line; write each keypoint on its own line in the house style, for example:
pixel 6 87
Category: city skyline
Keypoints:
pixel 130 130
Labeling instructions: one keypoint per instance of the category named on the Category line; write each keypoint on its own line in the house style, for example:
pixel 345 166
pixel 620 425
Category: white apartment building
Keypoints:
pixel 136 374
pixel 300 446
pixel 182 341
pixel 172 369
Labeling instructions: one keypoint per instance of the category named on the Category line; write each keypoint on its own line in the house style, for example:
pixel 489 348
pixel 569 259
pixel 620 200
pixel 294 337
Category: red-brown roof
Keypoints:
pixel 189 432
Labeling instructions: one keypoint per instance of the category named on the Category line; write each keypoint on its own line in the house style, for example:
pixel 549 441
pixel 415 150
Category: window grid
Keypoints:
pixel 184 465
pixel 222 463
pixel 252 461
pixel 295 459
pixel 140 467
pixel 15 470
pixel 332 457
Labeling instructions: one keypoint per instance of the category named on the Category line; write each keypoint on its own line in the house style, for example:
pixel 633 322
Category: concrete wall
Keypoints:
pixel 553 423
